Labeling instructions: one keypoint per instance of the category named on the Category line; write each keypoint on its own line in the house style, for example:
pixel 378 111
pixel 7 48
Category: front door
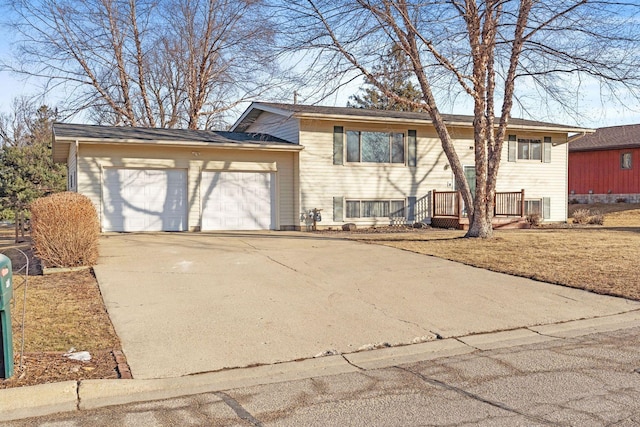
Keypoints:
pixel 470 175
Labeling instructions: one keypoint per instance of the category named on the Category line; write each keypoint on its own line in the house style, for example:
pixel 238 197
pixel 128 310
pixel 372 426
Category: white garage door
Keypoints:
pixel 237 201
pixel 144 200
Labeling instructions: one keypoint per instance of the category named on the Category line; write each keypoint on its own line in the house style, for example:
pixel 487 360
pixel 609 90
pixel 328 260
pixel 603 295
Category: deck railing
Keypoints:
pixel 449 204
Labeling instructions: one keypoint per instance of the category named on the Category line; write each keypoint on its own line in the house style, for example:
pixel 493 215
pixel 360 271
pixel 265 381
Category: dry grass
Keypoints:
pixel 599 259
pixel 76 318
pixel 62 311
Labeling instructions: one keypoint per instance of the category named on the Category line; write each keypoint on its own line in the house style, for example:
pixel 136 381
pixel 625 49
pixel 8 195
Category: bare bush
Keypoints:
pixel 65 230
pixel 581 216
pixel 534 219
pixel 586 216
pixel 596 218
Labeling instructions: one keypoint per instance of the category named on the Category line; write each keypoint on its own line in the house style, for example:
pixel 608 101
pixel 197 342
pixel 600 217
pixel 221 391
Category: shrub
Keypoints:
pixel 585 216
pixel 574 201
pixel 621 200
pixel 534 219
pixel 65 230
pixel 581 216
pixel 596 218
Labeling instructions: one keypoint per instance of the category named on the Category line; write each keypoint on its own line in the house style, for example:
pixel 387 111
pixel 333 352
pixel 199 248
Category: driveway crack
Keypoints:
pixel 238 409
pixel 282 264
pixel 478 398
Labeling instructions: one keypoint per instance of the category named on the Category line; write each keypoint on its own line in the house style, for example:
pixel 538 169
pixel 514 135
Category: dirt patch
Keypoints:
pixel 63 311
pixel 42 368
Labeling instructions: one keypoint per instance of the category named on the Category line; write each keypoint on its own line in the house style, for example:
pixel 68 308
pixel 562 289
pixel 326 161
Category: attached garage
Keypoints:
pixel 144 200
pixel 144 179
pixel 238 201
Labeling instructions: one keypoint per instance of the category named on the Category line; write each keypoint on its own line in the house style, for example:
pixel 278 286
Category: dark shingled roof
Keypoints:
pixel 122 133
pixel 609 138
pixel 407 115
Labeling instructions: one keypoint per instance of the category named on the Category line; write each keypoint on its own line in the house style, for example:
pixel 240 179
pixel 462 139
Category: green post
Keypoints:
pixel 6 335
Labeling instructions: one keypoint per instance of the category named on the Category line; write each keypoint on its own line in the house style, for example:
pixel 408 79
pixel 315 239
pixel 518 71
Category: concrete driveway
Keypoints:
pixel 195 302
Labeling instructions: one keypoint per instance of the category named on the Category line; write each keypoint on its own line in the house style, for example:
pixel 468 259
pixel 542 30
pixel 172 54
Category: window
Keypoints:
pixel 375 209
pixel 529 149
pixel 626 161
pixel 375 147
pixel 532 206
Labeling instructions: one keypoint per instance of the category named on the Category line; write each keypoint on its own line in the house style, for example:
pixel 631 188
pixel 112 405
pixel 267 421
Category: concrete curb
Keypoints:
pixel 48 399
pixel 38 400
pixel 99 393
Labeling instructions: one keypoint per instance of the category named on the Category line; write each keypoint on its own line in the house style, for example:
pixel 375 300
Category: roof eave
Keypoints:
pixel 240 126
pixel 59 154
pixel 354 118
pixel 185 144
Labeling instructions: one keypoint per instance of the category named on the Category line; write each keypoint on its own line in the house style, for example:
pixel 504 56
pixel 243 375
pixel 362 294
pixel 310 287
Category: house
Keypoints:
pixel 282 161
pixel 605 166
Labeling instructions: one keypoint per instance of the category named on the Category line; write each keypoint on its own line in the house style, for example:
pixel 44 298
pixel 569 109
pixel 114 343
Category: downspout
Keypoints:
pixel 75 169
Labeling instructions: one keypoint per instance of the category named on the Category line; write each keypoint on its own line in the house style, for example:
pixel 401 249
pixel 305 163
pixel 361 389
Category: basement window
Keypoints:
pixel 532 206
pixel 375 208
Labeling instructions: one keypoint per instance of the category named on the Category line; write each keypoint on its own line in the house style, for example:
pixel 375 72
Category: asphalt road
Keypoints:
pixel 593 380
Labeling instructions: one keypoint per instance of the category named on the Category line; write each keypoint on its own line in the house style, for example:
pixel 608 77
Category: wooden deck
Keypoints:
pixel 449 210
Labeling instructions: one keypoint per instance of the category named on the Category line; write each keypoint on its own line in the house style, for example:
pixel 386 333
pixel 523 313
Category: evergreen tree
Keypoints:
pixel 27 171
pixel 395 75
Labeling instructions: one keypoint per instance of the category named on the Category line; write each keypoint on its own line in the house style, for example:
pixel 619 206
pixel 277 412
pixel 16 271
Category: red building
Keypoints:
pixel 605 166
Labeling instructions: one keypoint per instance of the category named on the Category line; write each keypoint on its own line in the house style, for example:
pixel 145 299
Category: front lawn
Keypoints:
pixel 599 259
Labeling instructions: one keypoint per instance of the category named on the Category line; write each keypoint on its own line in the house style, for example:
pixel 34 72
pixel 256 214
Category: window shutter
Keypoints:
pixel 338 209
pixel 546 207
pixel 547 149
pixel 513 148
pixel 412 148
pixel 411 209
pixel 338 145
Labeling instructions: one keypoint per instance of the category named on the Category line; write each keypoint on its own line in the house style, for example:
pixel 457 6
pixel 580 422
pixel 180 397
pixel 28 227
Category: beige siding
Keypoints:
pixel 276 125
pixel 97 157
pixel 321 181
pixel 537 178
pixel 72 168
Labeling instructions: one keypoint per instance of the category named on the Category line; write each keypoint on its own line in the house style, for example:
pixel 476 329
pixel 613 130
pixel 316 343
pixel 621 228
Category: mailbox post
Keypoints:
pixel 6 337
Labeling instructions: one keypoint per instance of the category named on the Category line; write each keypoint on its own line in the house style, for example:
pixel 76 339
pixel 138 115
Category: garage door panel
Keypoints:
pixel 144 200
pixel 237 201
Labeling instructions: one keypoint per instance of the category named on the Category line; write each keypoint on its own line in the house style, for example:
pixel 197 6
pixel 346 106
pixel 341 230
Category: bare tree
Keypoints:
pixel 492 51
pixel 174 63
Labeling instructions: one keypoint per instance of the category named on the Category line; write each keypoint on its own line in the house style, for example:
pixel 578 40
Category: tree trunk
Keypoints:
pixel 480 227
pixel 18 221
